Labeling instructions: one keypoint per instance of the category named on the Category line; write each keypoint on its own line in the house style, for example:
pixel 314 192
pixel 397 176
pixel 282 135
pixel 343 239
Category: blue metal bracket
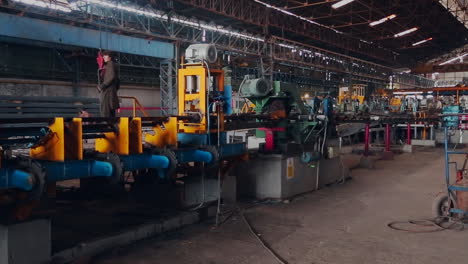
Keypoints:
pixel 76 169
pixel 12 178
pixel 458 211
pixel 458 188
pixel 230 150
pixel 194 155
pixel 144 161
pixel 40 30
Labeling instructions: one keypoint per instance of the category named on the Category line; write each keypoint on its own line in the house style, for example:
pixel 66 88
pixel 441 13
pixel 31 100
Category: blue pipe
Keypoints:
pixel 228 99
pixel 144 161
pixel 76 169
pixel 233 149
pixel 447 168
pixel 195 155
pixel 12 178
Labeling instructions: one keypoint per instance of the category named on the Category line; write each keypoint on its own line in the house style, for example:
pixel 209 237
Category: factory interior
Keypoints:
pixel 233 131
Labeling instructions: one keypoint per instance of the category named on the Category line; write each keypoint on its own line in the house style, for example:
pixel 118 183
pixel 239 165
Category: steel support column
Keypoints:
pixel 168 85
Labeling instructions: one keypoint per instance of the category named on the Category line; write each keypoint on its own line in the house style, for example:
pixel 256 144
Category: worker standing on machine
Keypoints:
pixel 109 101
pixel 356 105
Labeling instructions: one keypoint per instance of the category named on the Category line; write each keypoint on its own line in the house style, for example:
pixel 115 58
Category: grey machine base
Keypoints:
pixel 279 177
pixel 195 193
pixel 25 243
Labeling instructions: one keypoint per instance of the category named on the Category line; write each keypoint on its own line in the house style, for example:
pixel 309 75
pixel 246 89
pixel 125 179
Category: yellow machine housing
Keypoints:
pixel 196 82
pixel 357 91
pixel 394 104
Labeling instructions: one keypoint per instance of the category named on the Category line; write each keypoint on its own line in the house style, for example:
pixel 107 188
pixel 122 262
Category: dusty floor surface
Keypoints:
pixel 340 224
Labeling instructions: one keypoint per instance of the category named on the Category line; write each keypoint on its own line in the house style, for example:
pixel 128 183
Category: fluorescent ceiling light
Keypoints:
pixel 341 3
pixel 454 59
pixel 162 16
pixel 294 15
pixel 406 32
pixel 46 4
pixel 380 21
pixel 421 42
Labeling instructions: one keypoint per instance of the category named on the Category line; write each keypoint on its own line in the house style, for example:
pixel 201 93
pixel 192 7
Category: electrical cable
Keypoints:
pixel 427 225
pixel 203 189
pixel 321 154
pixel 218 210
pixel 239 91
pixel 210 84
pixel 262 242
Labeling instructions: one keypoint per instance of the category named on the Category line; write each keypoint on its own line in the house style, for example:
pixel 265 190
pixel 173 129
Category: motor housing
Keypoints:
pixel 201 52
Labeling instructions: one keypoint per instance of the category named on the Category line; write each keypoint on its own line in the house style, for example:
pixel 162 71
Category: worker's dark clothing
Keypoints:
pixel 109 86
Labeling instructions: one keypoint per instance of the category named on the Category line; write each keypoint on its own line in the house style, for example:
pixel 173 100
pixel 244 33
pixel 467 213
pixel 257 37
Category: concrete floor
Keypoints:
pixel 340 224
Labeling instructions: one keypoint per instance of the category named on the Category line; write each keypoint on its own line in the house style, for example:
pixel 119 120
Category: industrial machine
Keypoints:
pixel 190 148
pixel 296 131
pixel 356 91
pixel 295 157
pixel 452 204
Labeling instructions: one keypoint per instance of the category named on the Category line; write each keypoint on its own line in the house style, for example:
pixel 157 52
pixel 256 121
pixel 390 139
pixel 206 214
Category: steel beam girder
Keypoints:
pixel 189 32
pixel 254 13
pixel 42 30
pixel 168 86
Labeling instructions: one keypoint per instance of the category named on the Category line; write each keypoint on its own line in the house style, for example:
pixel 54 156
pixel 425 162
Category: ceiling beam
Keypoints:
pixel 311 4
pixel 350 25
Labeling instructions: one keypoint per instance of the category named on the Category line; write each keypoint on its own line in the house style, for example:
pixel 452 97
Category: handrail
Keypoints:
pixel 135 104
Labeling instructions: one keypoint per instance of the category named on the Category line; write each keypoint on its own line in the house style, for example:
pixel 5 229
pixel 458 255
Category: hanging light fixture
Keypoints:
pixel 341 3
pixel 406 32
pixel 421 42
pixel 382 20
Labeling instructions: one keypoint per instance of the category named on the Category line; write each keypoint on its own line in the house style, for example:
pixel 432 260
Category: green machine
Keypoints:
pixel 296 131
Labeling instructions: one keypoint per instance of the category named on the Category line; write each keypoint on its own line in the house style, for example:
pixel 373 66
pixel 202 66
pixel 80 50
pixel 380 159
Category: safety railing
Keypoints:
pixel 136 105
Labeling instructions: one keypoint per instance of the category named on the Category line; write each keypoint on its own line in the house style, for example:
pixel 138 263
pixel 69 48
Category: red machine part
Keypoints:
pixel 269 137
pixel 100 60
pixel 460 175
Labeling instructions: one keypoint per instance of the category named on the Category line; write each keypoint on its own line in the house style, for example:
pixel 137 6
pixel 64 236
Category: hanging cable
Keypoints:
pixel 321 155
pixel 218 211
pixel 240 91
pixel 263 243
pixel 210 84
pixel 203 188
